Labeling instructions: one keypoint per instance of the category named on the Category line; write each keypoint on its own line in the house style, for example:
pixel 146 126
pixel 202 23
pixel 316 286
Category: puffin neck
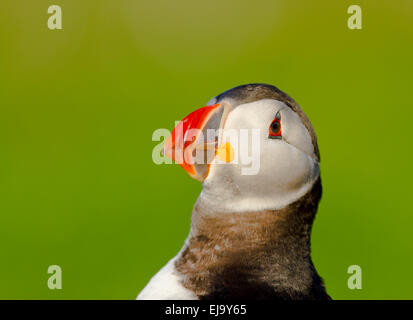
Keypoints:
pixel 262 255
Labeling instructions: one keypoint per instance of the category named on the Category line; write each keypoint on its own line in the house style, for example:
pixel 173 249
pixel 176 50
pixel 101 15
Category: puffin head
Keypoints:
pixel 252 147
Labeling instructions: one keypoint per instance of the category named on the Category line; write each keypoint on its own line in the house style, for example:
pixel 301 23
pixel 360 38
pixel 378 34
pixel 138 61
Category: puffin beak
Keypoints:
pixel 189 140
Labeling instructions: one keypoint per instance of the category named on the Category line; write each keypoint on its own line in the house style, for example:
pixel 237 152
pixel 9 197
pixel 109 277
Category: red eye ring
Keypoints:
pixel 274 131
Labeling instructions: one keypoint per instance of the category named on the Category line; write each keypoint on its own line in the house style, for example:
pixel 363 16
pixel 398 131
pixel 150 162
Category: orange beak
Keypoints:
pixel 188 137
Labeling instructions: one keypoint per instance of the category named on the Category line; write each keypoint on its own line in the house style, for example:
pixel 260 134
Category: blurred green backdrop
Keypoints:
pixel 78 187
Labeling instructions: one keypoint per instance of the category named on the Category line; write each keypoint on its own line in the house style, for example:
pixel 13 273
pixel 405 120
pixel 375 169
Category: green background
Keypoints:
pixel 78 107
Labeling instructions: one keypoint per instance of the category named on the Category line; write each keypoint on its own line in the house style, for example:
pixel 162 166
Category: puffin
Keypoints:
pixel 250 229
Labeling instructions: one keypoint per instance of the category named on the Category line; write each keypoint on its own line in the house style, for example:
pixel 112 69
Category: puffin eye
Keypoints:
pixel 274 131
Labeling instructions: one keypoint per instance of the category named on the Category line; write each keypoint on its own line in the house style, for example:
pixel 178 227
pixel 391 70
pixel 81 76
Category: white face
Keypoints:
pixel 288 165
